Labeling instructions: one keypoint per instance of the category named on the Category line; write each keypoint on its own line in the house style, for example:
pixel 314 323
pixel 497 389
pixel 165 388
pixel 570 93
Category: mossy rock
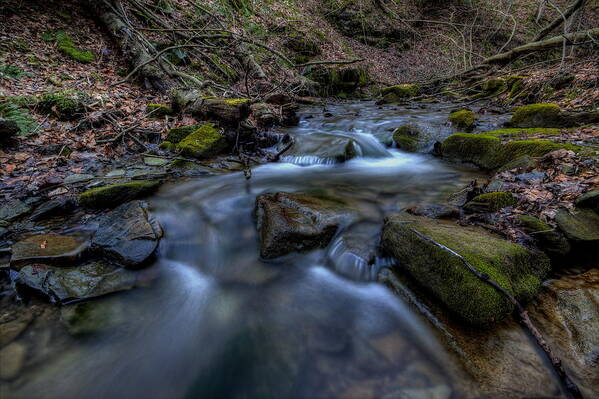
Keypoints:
pixel 65 105
pixel 537 115
pixel 547 238
pixel 67 46
pixel 116 194
pixel 176 134
pixel 523 164
pixel 488 152
pixel 514 267
pixel 411 138
pixel 398 93
pixel 335 81
pixel 514 83
pixel 579 226
pixel 463 120
pixel 158 110
pixel 168 146
pixel 589 200
pixel 202 143
pixel 525 132
pixel 494 86
pixel 491 202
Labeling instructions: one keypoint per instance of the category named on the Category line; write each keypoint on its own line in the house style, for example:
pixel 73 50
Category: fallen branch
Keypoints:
pixel 559 20
pixel 566 382
pixel 542 45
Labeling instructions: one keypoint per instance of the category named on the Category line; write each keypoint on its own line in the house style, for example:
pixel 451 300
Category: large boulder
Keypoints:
pixel 289 222
pixel 489 152
pixel 47 248
pixel 88 281
pixel 116 194
pixel 537 115
pixel 321 148
pixel 128 234
pixel 517 269
pixel 203 143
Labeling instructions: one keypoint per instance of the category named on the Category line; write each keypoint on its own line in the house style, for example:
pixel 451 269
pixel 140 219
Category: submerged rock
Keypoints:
pixel 116 194
pixel 321 148
pixel 13 209
pixel 47 248
pixel 514 267
pixel 128 234
pixel 13 358
pixel 87 281
pixel 289 222
pixel 92 317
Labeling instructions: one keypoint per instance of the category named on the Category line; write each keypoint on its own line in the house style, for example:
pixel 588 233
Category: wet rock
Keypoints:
pixel 589 200
pixel 116 194
pixel 87 281
pixel 465 194
pixel 321 148
pixel 54 207
pixel 581 227
pixel 47 248
pixel 10 330
pixel 514 267
pixel 411 138
pixel 490 202
pixel 463 120
pixel 93 317
pixel 289 222
pixel 77 178
pixel 496 185
pixel 532 177
pixel 548 239
pixel 265 115
pixel 155 161
pixel 128 234
pixel 203 143
pixel 13 209
pixel 522 164
pixel 435 211
pixel 13 358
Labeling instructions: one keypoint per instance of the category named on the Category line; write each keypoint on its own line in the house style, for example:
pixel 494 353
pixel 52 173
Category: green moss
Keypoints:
pixel 405 143
pixel 66 45
pixel 494 86
pixel 536 115
pixel 492 202
pixel 168 146
pixel 524 132
pixel 463 119
pixel 158 110
pixel 116 194
pixel 236 101
pixel 410 138
pixel 65 105
pixel 176 134
pixel 512 266
pixel 546 237
pixel 401 91
pixel 202 143
pixel 514 83
pixel 489 152
pixel 580 225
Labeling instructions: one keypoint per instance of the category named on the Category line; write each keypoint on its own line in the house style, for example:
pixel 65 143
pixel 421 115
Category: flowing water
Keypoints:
pixel 220 322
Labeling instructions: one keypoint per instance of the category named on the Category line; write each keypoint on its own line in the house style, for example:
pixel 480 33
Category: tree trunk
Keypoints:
pixel 542 45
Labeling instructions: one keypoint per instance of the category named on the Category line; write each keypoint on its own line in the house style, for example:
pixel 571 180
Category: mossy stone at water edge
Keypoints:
pixel 463 119
pixel 158 110
pixel 547 238
pixel 580 225
pixel 411 138
pixel 517 269
pixel 116 194
pixel 491 202
pixel 393 94
pixel 202 143
pixel 488 152
pixel 176 134
pixel 589 200
pixel 537 115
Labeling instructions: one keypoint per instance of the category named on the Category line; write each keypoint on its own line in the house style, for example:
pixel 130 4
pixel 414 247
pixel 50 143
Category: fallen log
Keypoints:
pixel 557 41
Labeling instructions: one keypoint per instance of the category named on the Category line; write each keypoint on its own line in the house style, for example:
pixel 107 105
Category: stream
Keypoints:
pixel 217 321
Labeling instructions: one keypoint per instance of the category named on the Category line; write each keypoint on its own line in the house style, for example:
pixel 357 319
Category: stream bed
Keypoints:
pixel 217 321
